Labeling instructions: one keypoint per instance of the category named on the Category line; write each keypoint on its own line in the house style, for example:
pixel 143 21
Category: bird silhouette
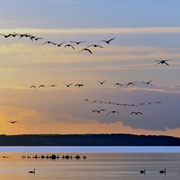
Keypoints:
pixel 94 101
pixel 141 104
pixel 31 37
pixel 95 45
pixel 108 41
pixel 113 112
pixel 12 122
pixel 136 113
pixel 49 42
pixel 98 111
pixel 42 86
pixel 33 171
pixel 8 35
pixel 22 35
pixel 33 87
pixel 143 171
pixel 163 171
pixel 68 85
pixel 59 45
pixel 86 49
pixel 118 84
pixel 147 82
pixel 38 38
pixel 162 62
pixel 101 82
pixel 77 42
pixel 134 105
pixel 53 85
pixel 130 83
pixel 69 45
pixel 87 100
pixel 158 102
pixel 79 85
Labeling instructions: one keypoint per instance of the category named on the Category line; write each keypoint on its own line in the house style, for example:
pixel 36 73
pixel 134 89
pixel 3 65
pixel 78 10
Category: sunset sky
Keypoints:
pixel 145 30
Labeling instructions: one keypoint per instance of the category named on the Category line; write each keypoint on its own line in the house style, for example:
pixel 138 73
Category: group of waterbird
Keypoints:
pixel 119 104
pixel 98 111
pixel 81 84
pixel 43 86
pixel 66 44
pixel 70 44
pixel 54 157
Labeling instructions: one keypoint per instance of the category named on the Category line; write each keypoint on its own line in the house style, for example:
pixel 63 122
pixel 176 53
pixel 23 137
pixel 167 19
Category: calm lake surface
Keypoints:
pixel 101 163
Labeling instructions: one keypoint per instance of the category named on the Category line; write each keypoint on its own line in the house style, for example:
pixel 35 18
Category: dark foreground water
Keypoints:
pixel 100 164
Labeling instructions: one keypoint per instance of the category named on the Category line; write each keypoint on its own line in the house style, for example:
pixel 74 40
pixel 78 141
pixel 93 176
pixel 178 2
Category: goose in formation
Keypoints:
pixel 87 100
pixel 69 45
pixel 98 111
pixel 158 102
pixel 108 41
pixel 162 62
pixel 141 104
pixel 42 86
pixel 68 85
pixel 118 84
pixel 6 36
pixel 12 122
pixel 136 113
pixel 101 82
pixel 38 38
pixel 79 85
pixel 86 49
pixel 130 83
pixel 59 45
pixel 77 42
pixel 95 45
pixel 49 42
pixel 53 85
pixel 147 82
pixel 113 112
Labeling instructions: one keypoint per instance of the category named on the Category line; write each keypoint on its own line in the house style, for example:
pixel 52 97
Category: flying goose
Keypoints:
pixel 108 41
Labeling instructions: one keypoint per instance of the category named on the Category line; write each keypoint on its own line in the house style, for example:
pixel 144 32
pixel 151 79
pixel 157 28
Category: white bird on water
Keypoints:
pixel 33 171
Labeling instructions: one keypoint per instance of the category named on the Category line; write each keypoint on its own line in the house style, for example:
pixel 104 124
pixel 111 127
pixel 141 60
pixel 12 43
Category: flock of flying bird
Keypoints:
pixel 119 104
pixel 71 44
pixel 81 85
pixel 98 111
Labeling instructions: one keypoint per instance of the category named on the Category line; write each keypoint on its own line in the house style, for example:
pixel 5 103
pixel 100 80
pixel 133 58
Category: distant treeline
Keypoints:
pixel 88 140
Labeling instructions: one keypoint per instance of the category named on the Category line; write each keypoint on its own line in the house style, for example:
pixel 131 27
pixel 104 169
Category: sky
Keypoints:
pixel 144 31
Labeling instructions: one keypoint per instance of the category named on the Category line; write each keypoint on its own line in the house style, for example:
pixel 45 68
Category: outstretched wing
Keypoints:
pixel 108 113
pixel 111 39
pixel 94 111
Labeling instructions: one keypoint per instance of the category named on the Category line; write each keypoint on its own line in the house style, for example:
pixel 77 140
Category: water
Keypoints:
pixel 104 163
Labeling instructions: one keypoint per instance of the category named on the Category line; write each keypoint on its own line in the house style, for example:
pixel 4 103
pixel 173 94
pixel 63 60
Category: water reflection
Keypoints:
pixel 125 166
